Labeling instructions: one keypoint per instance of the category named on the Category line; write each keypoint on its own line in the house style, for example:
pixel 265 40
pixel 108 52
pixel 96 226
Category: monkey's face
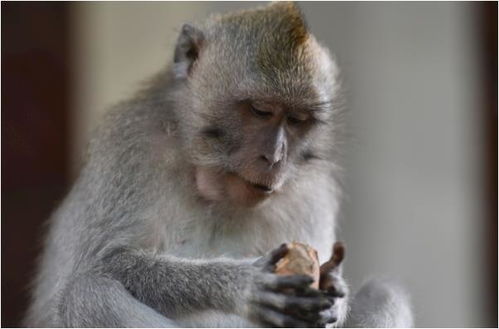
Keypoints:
pixel 258 153
pixel 249 149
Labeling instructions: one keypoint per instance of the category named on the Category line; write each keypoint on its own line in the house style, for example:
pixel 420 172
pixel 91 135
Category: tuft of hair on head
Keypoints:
pixel 273 36
pixel 283 25
pixel 278 24
pixel 291 21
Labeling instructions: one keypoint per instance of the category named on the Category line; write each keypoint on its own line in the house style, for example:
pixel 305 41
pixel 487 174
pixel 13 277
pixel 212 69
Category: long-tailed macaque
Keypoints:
pixel 192 186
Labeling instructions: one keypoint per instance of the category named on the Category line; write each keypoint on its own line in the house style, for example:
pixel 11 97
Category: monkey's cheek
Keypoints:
pixel 209 184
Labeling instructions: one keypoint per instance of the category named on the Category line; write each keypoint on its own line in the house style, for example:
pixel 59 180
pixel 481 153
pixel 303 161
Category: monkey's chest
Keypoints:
pixel 210 244
pixel 242 239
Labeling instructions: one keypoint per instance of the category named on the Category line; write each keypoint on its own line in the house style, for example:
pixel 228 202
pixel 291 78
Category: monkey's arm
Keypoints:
pixel 176 287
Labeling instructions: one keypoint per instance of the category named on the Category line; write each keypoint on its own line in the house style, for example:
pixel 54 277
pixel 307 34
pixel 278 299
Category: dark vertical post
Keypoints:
pixel 35 107
pixel 487 36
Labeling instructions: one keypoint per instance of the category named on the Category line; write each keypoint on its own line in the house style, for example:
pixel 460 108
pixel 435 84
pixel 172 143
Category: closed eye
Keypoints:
pixel 295 121
pixel 260 113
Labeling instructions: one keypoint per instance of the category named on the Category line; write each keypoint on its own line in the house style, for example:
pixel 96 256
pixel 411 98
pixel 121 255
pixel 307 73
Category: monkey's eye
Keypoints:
pixel 260 113
pixel 296 121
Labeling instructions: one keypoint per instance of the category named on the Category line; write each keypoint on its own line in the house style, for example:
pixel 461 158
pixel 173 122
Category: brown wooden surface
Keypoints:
pixel 35 93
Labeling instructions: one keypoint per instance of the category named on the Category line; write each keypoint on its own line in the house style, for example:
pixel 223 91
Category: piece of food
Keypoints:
pixel 300 259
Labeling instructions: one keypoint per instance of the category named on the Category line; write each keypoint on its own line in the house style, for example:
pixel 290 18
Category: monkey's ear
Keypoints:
pixel 189 43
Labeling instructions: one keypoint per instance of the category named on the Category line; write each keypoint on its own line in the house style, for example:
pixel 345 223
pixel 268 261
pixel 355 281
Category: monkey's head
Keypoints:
pixel 254 102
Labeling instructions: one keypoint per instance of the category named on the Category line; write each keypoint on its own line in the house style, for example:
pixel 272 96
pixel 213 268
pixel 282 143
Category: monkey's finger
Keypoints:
pixel 334 292
pixel 311 317
pixel 336 258
pixel 269 260
pixel 309 292
pixel 338 252
pixel 276 319
pixel 292 304
pixel 332 287
pixel 277 282
pixel 276 254
pixel 327 317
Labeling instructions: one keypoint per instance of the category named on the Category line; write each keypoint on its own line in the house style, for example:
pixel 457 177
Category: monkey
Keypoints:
pixel 192 187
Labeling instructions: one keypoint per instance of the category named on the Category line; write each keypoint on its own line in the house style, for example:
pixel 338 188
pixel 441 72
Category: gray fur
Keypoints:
pixel 381 303
pixel 133 245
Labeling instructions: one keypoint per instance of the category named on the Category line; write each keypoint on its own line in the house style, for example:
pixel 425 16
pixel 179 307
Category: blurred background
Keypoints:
pixel 421 166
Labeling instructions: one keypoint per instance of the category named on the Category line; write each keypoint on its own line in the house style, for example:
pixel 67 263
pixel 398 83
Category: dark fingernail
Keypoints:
pixel 338 294
pixel 311 292
pixel 335 293
pixel 304 279
pixel 326 304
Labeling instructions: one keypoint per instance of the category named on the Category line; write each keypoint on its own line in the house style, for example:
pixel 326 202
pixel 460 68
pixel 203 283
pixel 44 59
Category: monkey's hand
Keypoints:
pixel 335 288
pixel 282 301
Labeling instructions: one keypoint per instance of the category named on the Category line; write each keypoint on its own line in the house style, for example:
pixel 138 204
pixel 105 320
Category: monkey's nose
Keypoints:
pixel 271 160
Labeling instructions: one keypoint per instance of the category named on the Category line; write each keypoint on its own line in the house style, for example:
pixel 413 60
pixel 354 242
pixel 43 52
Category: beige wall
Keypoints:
pixel 414 202
pixel 116 46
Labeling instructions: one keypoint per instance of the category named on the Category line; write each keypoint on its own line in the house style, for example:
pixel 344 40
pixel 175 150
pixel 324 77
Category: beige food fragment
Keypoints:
pixel 300 259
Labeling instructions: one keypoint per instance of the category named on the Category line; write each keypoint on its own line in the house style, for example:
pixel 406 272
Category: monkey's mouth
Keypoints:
pixel 263 188
pixel 258 187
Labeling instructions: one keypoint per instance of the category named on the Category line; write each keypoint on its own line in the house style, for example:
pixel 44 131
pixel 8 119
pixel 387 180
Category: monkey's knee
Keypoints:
pixel 83 300
pixel 381 303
